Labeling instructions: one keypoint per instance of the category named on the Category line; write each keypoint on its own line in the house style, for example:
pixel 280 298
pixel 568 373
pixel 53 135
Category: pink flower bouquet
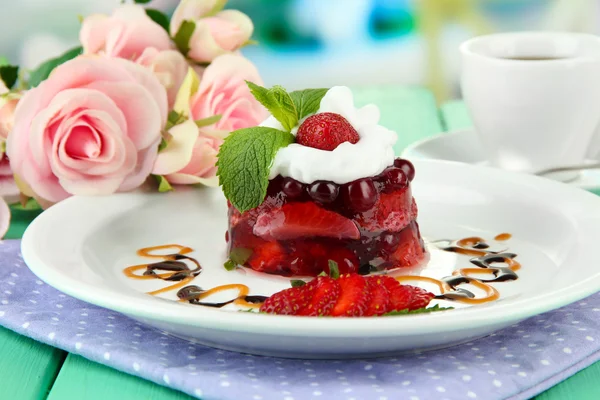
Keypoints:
pixel 143 99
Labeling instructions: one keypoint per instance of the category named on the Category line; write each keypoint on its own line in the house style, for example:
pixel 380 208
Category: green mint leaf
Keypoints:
pixel 200 123
pixel 244 163
pixel 9 75
pixel 163 184
pixel 163 145
pixel 42 72
pixel 307 101
pixel 230 265
pixel 297 282
pixel 423 310
pixel 278 102
pixel 334 271
pixel 323 273
pixel 240 255
pixel 158 17
pixel 183 35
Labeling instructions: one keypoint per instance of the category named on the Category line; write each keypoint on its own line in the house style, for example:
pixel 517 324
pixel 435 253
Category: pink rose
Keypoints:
pixel 169 66
pixel 213 36
pixel 192 10
pixel 8 188
pixel 125 34
pixel 4 217
pixel 190 156
pixel 92 128
pixel 223 91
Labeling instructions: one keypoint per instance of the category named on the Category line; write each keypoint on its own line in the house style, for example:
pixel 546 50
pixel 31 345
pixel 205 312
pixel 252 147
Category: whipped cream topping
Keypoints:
pixel 347 162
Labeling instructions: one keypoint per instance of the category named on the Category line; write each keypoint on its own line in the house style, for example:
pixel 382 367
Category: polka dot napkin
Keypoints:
pixel 514 363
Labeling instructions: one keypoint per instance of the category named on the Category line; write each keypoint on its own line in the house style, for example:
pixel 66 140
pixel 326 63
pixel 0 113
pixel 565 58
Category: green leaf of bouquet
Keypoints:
pixel 30 205
pixel 175 118
pixel 163 184
pixel 157 16
pixel 163 145
pixel 142 1
pixel 423 310
pixel 3 61
pixel 278 101
pixel 244 163
pixel 334 271
pixel 207 121
pixel 9 75
pixel 307 101
pixel 43 71
pixel 183 35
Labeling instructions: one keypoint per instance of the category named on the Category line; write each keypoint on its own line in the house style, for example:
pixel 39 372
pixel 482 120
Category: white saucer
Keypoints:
pixel 464 146
pixel 81 246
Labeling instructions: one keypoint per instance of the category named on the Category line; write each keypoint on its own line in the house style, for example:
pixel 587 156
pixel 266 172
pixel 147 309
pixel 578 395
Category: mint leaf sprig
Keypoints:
pixel 246 156
pixel 423 310
pixel 288 108
pixel 244 163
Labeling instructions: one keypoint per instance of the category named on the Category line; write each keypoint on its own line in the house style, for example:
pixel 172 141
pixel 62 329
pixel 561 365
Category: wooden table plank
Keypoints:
pixel 412 112
pixel 81 379
pixel 581 386
pixel 28 368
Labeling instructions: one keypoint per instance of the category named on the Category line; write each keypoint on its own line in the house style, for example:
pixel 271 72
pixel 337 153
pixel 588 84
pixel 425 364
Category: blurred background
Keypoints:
pixel 309 43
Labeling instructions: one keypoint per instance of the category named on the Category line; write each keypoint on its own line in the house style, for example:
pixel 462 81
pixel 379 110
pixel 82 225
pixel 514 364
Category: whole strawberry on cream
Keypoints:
pixel 316 183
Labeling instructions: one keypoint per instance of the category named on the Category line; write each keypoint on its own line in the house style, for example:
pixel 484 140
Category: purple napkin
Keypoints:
pixel 515 363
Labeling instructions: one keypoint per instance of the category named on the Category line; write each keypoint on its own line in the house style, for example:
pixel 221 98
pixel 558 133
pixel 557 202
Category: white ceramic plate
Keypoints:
pixel 465 146
pixel 81 246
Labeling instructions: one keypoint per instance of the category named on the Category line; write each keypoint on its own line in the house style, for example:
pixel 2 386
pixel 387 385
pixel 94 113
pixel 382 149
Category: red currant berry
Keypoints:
pixel 406 166
pixel 360 195
pixel 395 178
pixel 292 188
pixel 324 192
pixel 274 186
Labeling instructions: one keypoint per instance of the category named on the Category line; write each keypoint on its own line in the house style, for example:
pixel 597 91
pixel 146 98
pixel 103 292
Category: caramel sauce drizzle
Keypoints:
pixel 171 267
pixel 484 259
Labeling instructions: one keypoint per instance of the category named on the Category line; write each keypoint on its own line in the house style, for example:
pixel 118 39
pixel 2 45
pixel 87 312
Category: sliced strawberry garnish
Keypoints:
pixel 288 301
pixel 326 131
pixel 407 297
pixel 354 296
pixel 380 296
pixel 420 298
pixel 324 296
pixel 295 220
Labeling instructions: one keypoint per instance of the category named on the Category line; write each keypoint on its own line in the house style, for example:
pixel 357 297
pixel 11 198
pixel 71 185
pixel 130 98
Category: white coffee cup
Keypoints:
pixel 534 98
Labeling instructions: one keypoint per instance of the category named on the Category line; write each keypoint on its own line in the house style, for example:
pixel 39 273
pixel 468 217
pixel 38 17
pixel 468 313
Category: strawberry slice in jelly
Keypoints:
pixel 294 220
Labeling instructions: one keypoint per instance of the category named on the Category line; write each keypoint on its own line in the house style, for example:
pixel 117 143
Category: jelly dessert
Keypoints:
pixel 331 190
